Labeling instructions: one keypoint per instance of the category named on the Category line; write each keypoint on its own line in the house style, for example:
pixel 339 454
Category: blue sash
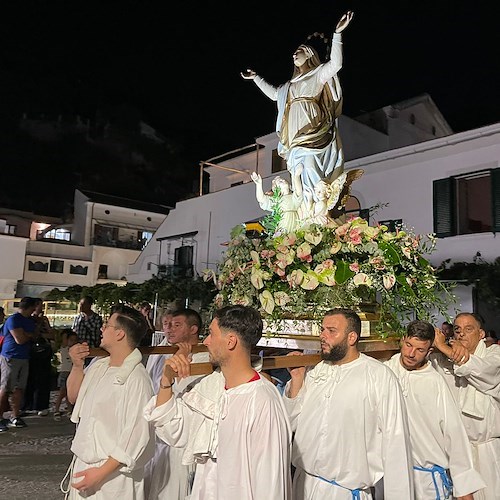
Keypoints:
pixel 355 494
pixel 445 479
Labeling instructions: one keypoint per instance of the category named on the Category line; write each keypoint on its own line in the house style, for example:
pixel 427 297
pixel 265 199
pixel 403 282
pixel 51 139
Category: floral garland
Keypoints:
pixel 346 263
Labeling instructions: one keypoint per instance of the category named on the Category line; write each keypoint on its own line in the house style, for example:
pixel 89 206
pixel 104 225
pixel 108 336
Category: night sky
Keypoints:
pixel 177 65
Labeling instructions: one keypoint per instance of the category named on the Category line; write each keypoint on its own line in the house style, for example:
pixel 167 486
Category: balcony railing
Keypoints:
pixel 129 244
pixel 175 271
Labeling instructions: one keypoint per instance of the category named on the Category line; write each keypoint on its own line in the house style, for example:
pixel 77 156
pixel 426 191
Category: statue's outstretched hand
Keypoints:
pixel 344 21
pixel 249 74
pixel 256 178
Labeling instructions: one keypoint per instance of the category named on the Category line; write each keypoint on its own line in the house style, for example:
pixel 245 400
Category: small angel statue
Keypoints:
pixel 286 200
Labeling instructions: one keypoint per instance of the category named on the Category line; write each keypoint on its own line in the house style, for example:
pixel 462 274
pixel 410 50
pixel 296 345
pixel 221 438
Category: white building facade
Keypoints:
pixel 106 236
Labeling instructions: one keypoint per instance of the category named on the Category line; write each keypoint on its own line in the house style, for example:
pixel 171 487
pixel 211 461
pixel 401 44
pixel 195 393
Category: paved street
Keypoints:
pixel 33 460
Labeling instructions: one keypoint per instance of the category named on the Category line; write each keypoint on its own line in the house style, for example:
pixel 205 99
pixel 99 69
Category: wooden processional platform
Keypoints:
pixel 294 335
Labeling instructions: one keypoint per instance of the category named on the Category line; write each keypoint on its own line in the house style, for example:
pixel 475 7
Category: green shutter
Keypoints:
pixel 444 205
pixel 495 199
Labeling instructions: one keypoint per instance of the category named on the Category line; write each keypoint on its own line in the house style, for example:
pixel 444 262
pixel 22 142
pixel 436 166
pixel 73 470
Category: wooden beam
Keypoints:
pixel 269 363
pixel 378 348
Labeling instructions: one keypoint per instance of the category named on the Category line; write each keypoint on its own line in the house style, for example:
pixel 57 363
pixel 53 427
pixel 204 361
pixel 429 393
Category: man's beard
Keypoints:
pixel 215 363
pixel 336 353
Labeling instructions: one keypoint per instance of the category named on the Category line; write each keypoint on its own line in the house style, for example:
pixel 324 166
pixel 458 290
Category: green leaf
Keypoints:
pixel 343 273
pixel 390 253
pixel 423 263
pixel 401 279
pixel 237 231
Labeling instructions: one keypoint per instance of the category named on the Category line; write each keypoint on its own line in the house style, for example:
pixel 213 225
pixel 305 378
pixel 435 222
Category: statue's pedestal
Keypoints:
pixel 303 335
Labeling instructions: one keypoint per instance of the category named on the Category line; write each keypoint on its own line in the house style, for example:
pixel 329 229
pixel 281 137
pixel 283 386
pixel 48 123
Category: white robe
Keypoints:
pixel 239 437
pixel 108 411
pixel 165 476
pixel 437 433
pixel 350 426
pixel 476 387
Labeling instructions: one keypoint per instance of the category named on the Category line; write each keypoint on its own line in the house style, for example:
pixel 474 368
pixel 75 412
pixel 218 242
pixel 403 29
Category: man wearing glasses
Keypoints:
pixel 472 371
pixel 112 442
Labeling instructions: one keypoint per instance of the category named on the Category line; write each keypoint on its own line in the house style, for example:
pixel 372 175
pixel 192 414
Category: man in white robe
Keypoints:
pixel 166 477
pixel 472 372
pixel 112 442
pixel 350 422
pixel 232 423
pixel 440 447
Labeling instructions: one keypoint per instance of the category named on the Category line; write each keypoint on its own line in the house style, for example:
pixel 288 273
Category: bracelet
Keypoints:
pixel 165 386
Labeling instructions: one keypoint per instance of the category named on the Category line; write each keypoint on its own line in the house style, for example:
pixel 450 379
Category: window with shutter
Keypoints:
pixel 495 199
pixel 467 204
pixel 444 207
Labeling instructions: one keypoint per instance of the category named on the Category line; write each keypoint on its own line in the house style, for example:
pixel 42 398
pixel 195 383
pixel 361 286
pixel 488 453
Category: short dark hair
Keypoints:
pixel 132 322
pixel 167 312
pixel 26 303
pixel 476 316
pixel 192 317
pixel 245 321
pixel 38 300
pixel 422 330
pixel 88 298
pixel 145 303
pixel 68 332
pixel 352 317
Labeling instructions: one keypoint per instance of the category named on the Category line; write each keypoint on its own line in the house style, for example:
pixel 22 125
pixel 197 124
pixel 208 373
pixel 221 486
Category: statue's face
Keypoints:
pixel 321 190
pixel 300 56
pixel 282 184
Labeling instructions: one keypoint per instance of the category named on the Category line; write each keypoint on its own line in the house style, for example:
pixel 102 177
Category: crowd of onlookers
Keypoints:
pixel 35 361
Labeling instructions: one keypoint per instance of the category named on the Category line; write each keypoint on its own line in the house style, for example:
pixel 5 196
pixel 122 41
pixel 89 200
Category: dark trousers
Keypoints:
pixel 37 393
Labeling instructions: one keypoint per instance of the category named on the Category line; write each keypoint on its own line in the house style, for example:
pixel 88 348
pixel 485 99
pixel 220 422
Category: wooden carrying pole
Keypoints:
pixel 382 350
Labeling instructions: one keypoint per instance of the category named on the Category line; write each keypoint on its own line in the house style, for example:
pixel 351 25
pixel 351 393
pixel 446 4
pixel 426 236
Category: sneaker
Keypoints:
pixel 57 416
pixel 3 425
pixel 43 413
pixel 16 422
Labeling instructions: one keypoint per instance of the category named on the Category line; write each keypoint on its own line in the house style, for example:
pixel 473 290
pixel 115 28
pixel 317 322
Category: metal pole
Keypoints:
pixel 155 310
pixel 201 178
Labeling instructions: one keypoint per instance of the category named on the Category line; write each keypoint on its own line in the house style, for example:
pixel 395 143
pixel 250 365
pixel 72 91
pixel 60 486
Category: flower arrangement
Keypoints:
pixel 345 263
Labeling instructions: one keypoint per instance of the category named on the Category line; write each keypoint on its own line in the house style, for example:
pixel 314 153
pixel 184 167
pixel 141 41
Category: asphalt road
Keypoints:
pixel 33 460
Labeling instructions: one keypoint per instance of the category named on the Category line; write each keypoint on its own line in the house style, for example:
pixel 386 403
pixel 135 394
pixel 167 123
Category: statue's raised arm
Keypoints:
pixel 344 21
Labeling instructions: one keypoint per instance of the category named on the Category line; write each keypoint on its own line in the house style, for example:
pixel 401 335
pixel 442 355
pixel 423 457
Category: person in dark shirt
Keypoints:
pixel 87 324
pixel 14 361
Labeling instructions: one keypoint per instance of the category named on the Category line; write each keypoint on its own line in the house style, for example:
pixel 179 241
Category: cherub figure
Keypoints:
pixel 329 196
pixel 288 201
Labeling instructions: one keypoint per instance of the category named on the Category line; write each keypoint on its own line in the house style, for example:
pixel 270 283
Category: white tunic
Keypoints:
pixel 350 426
pixel 239 437
pixel 476 387
pixel 165 476
pixel 108 412
pixel 437 433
